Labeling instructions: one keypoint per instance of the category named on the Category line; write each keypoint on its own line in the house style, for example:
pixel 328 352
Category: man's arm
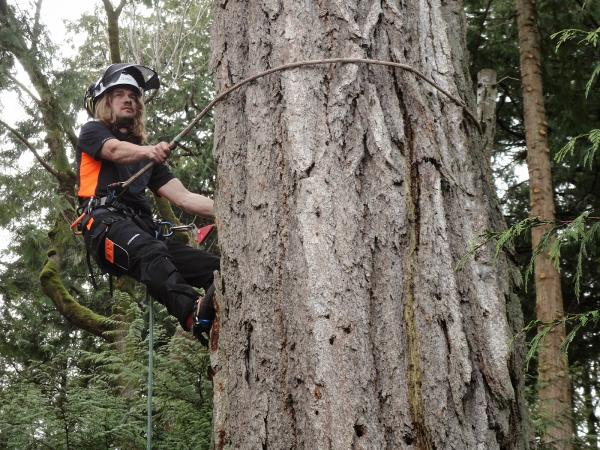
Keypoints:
pixel 192 203
pixel 124 152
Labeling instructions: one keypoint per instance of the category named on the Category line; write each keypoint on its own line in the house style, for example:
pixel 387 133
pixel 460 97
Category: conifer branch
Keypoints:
pixel 24 88
pixel 27 144
pixel 569 148
pixel 578 231
pixel 578 321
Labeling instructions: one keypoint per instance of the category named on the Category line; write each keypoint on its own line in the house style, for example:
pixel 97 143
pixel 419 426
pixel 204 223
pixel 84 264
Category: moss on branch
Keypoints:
pixel 79 315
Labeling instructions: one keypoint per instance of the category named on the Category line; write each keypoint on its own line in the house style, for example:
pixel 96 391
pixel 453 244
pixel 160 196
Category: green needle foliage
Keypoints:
pixel 95 397
pixel 589 154
pixel 582 232
pixel 61 387
pixel 570 54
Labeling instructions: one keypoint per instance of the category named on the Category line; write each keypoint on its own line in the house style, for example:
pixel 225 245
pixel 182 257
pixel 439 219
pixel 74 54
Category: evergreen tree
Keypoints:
pixel 566 72
pixel 62 387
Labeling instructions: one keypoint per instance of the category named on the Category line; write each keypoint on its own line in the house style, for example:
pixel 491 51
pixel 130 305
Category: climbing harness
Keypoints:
pixel 116 255
pixel 110 202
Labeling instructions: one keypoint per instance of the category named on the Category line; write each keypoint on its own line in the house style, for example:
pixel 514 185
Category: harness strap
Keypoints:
pixel 109 202
pixel 88 259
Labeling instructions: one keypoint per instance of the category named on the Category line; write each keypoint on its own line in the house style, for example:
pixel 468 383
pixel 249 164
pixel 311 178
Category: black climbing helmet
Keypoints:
pixel 141 78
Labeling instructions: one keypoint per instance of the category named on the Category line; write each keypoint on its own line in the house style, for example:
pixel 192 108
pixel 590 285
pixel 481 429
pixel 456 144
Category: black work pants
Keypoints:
pixel 125 245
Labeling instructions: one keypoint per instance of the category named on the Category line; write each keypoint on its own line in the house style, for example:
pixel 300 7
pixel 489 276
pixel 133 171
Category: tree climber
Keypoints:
pixel 118 227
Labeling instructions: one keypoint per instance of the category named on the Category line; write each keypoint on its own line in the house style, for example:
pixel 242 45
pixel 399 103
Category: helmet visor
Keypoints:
pixel 141 78
pixel 145 77
pixel 123 79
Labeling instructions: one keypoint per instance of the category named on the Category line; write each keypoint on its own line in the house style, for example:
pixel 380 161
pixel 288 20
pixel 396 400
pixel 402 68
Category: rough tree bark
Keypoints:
pixel 554 385
pixel 346 197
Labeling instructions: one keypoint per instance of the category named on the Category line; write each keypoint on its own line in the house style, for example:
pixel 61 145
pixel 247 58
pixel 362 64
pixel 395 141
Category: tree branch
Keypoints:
pixel 120 7
pixel 80 316
pixel 112 17
pixel 108 6
pixel 24 88
pixel 37 29
pixel 27 144
pixel 67 130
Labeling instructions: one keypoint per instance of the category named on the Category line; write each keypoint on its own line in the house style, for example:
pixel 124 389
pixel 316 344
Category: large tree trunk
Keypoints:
pixel 346 197
pixel 554 390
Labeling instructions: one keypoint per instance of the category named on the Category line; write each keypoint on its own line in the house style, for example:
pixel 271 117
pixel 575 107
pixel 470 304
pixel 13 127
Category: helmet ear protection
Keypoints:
pixel 88 99
pixel 138 77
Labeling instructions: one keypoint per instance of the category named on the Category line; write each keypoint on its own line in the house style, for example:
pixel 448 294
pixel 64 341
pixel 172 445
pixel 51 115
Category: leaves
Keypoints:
pixel 582 232
pixel 586 37
pixel 592 80
pixel 577 323
pixel 501 240
pixel 589 155
pixel 61 387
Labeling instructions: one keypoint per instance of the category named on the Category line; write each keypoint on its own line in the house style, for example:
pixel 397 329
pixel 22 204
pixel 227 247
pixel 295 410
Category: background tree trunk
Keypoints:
pixel 112 29
pixel 554 385
pixel 486 107
pixel 347 195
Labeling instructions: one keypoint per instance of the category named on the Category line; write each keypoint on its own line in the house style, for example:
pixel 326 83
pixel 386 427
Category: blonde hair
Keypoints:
pixel 104 114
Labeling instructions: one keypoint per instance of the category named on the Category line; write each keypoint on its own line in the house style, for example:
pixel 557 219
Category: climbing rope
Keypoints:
pixel 150 307
pixel 122 187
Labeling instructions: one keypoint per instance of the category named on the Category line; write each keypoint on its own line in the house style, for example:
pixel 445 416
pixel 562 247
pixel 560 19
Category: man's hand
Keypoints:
pixel 158 153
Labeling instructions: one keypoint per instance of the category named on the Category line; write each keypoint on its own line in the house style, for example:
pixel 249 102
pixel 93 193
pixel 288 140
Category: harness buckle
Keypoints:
pixel 166 229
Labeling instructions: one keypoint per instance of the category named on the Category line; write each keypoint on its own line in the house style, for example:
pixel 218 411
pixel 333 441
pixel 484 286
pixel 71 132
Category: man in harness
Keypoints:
pixel 117 227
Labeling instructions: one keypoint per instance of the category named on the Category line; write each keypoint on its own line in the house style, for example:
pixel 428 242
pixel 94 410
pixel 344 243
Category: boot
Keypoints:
pixel 204 316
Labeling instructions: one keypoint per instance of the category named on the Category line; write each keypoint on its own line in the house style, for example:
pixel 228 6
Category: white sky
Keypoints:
pixel 55 12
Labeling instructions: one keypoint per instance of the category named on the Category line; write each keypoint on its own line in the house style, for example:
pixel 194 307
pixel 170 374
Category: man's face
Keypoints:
pixel 124 103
